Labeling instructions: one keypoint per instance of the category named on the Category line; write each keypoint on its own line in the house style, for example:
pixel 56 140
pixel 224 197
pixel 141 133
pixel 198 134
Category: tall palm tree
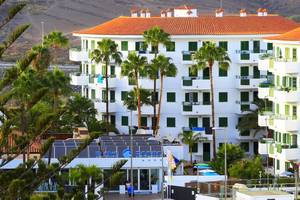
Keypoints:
pixel 165 68
pixel 56 39
pixel 134 67
pixel 189 138
pixel 107 51
pixel 155 37
pixel 206 57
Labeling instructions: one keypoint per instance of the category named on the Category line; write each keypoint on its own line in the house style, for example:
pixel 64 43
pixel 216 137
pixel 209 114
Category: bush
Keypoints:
pixel 247 169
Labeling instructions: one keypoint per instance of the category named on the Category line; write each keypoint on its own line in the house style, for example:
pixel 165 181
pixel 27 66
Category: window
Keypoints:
pixel 113 119
pixel 256 72
pixel 103 70
pixel 144 121
pixel 224 45
pixel 193 72
pixel 171 122
pixel 277 108
pixel 93 69
pixel 287 110
pixel 124 121
pixel 256 46
pixel 195 148
pixel 171 97
pixel 124 45
pixel 193 46
pixel 112 96
pixel 223 72
pixel 244 96
pixel 294 109
pixel 191 97
pixel 245 146
pixel 245 48
pixel 112 71
pixel 104 97
pixel 154 49
pixel 124 95
pixel 170 47
pixel 205 72
pixel 93 44
pixel 140 47
pixel 223 97
pixel 294 54
pixel 245 75
pixel 223 122
pixel 193 122
pixel 278 164
pixel 206 98
pixel 269 46
pixel 93 94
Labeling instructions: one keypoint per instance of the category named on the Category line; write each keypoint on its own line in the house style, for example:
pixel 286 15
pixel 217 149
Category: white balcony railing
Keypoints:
pixel 100 105
pixel 195 83
pixel 79 79
pixel 78 55
pixel 196 108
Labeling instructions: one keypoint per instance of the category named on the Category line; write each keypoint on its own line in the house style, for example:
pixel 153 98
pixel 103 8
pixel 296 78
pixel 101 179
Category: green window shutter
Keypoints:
pixel 171 122
pixel 195 97
pixel 278 164
pixel 206 98
pixel 223 72
pixel 113 119
pixel 245 45
pixel 93 44
pixel 144 121
pixel 93 69
pixel 224 45
pixel 112 71
pixel 193 122
pixel 287 110
pixel 137 46
pixel 124 95
pixel 223 122
pixel 256 46
pixel 112 96
pixel 193 72
pixel 171 47
pixel 287 53
pixel 104 97
pixel 244 75
pixel 245 133
pixel 195 148
pixel 256 72
pixel 187 97
pixel 124 121
pixel 103 70
pixel 244 96
pixel 277 108
pixel 269 46
pixel 206 122
pixel 284 138
pixel 245 146
pixel 294 109
pixel 93 94
pixel 277 80
pixel 284 81
pixel 171 97
pixel 193 46
pixel 223 96
pixel 205 72
pixel 294 82
pixel 187 108
pixel 124 45
pixel 294 54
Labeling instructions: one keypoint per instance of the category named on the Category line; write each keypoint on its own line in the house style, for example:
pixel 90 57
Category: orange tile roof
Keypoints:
pixel 293 35
pixel 203 25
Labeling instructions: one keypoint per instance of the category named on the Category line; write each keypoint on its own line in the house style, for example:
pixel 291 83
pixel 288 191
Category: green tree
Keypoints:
pixel 56 39
pixel 106 52
pixel 247 169
pixel 206 57
pixel 165 68
pixel 189 138
pixel 155 37
pixel 234 153
pixel 134 67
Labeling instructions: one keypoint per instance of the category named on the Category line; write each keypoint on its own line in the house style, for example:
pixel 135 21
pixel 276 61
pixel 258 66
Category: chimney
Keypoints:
pixel 143 13
pixel 262 12
pixel 220 12
pixel 163 13
pixel 134 12
pixel 169 12
pixel 243 13
pixel 148 13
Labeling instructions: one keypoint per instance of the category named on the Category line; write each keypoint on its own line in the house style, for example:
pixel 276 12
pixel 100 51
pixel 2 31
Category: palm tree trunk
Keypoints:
pixel 106 93
pixel 159 103
pixel 139 101
pixel 154 106
pixel 54 108
pixel 212 108
pixel 191 154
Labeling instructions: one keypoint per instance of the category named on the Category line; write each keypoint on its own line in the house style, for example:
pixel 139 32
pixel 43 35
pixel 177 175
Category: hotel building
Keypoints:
pixel 282 119
pixel 186 98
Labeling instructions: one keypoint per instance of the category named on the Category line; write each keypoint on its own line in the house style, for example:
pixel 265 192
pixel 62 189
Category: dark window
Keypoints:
pixel 224 45
pixel 256 72
pixel 270 46
pixel 171 97
pixel 193 122
pixel 244 96
pixel 124 46
pixel 223 122
pixel 112 71
pixel 124 121
pixel 245 146
pixel 195 148
pixel 223 97
pixel 144 121
pixel 193 72
pixel 124 95
pixel 223 72
pixel 171 122
pixel 206 98
pixel 205 72
pixel 113 119
pixel 112 96
pixel 256 46
pixel 170 46
pixel 193 46
pixel 244 75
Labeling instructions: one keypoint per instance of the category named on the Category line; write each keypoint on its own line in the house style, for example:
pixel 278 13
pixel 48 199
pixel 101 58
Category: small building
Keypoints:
pixel 263 195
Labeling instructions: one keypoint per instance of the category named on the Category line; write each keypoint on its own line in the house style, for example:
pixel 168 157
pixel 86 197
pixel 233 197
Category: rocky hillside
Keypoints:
pixel 70 15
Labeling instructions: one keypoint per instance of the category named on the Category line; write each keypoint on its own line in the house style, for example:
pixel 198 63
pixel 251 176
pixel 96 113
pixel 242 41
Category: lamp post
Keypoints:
pixel 131 156
pixel 162 163
pixel 225 160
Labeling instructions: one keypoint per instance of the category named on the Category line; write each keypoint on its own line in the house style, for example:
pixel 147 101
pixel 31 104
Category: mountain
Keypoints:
pixel 71 15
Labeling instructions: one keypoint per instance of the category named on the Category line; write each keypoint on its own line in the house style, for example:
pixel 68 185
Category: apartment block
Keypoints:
pixel 186 98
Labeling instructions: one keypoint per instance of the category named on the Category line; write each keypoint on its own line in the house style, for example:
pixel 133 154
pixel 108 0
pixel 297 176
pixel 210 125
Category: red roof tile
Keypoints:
pixel 293 35
pixel 203 25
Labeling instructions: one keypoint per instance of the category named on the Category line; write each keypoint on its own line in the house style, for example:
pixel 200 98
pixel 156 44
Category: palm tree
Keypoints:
pixel 189 138
pixel 165 68
pixel 56 39
pixel 133 67
pixel 106 52
pixel 155 37
pixel 206 57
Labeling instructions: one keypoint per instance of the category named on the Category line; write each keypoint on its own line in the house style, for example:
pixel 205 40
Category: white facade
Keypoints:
pixel 284 93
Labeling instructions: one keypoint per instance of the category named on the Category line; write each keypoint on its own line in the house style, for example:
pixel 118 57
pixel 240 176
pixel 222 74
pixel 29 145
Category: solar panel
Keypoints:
pixel 59 151
pixel 83 153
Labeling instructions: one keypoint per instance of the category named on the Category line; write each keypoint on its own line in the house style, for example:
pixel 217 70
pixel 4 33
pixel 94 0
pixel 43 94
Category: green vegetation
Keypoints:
pixel 190 138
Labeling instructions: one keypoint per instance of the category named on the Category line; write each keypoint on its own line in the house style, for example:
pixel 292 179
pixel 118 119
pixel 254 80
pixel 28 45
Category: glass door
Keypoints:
pixel 144 179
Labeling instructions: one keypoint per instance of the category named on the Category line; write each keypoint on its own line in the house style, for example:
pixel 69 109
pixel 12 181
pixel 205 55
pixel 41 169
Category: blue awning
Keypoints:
pixel 198 129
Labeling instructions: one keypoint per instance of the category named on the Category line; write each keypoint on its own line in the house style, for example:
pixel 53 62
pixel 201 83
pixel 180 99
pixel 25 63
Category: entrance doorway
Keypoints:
pixel 206 152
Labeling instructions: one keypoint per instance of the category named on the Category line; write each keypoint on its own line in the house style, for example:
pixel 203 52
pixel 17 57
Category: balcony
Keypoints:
pixel 286 66
pixel 187 57
pixel 146 83
pixel 284 123
pixel 247 56
pixel 78 55
pixel 205 134
pixel 263 148
pixel 79 79
pixel 195 83
pixel 146 110
pixel 100 105
pixel 286 152
pixel 264 90
pixel 249 82
pixel 266 64
pixel 286 95
pixel 263 118
pixel 101 82
pixel 243 107
pixel 196 108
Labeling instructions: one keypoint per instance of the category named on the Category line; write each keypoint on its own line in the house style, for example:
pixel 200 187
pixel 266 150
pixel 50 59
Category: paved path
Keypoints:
pixel 137 197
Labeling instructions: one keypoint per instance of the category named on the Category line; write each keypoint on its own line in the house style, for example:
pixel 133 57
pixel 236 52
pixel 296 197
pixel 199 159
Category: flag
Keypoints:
pixel 171 160
pixel 100 79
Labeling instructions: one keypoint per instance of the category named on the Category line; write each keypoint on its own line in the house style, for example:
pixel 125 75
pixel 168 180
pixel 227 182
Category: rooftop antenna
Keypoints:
pixel 221 3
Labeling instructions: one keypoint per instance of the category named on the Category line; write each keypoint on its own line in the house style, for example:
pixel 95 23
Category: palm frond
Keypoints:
pixel 12 12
